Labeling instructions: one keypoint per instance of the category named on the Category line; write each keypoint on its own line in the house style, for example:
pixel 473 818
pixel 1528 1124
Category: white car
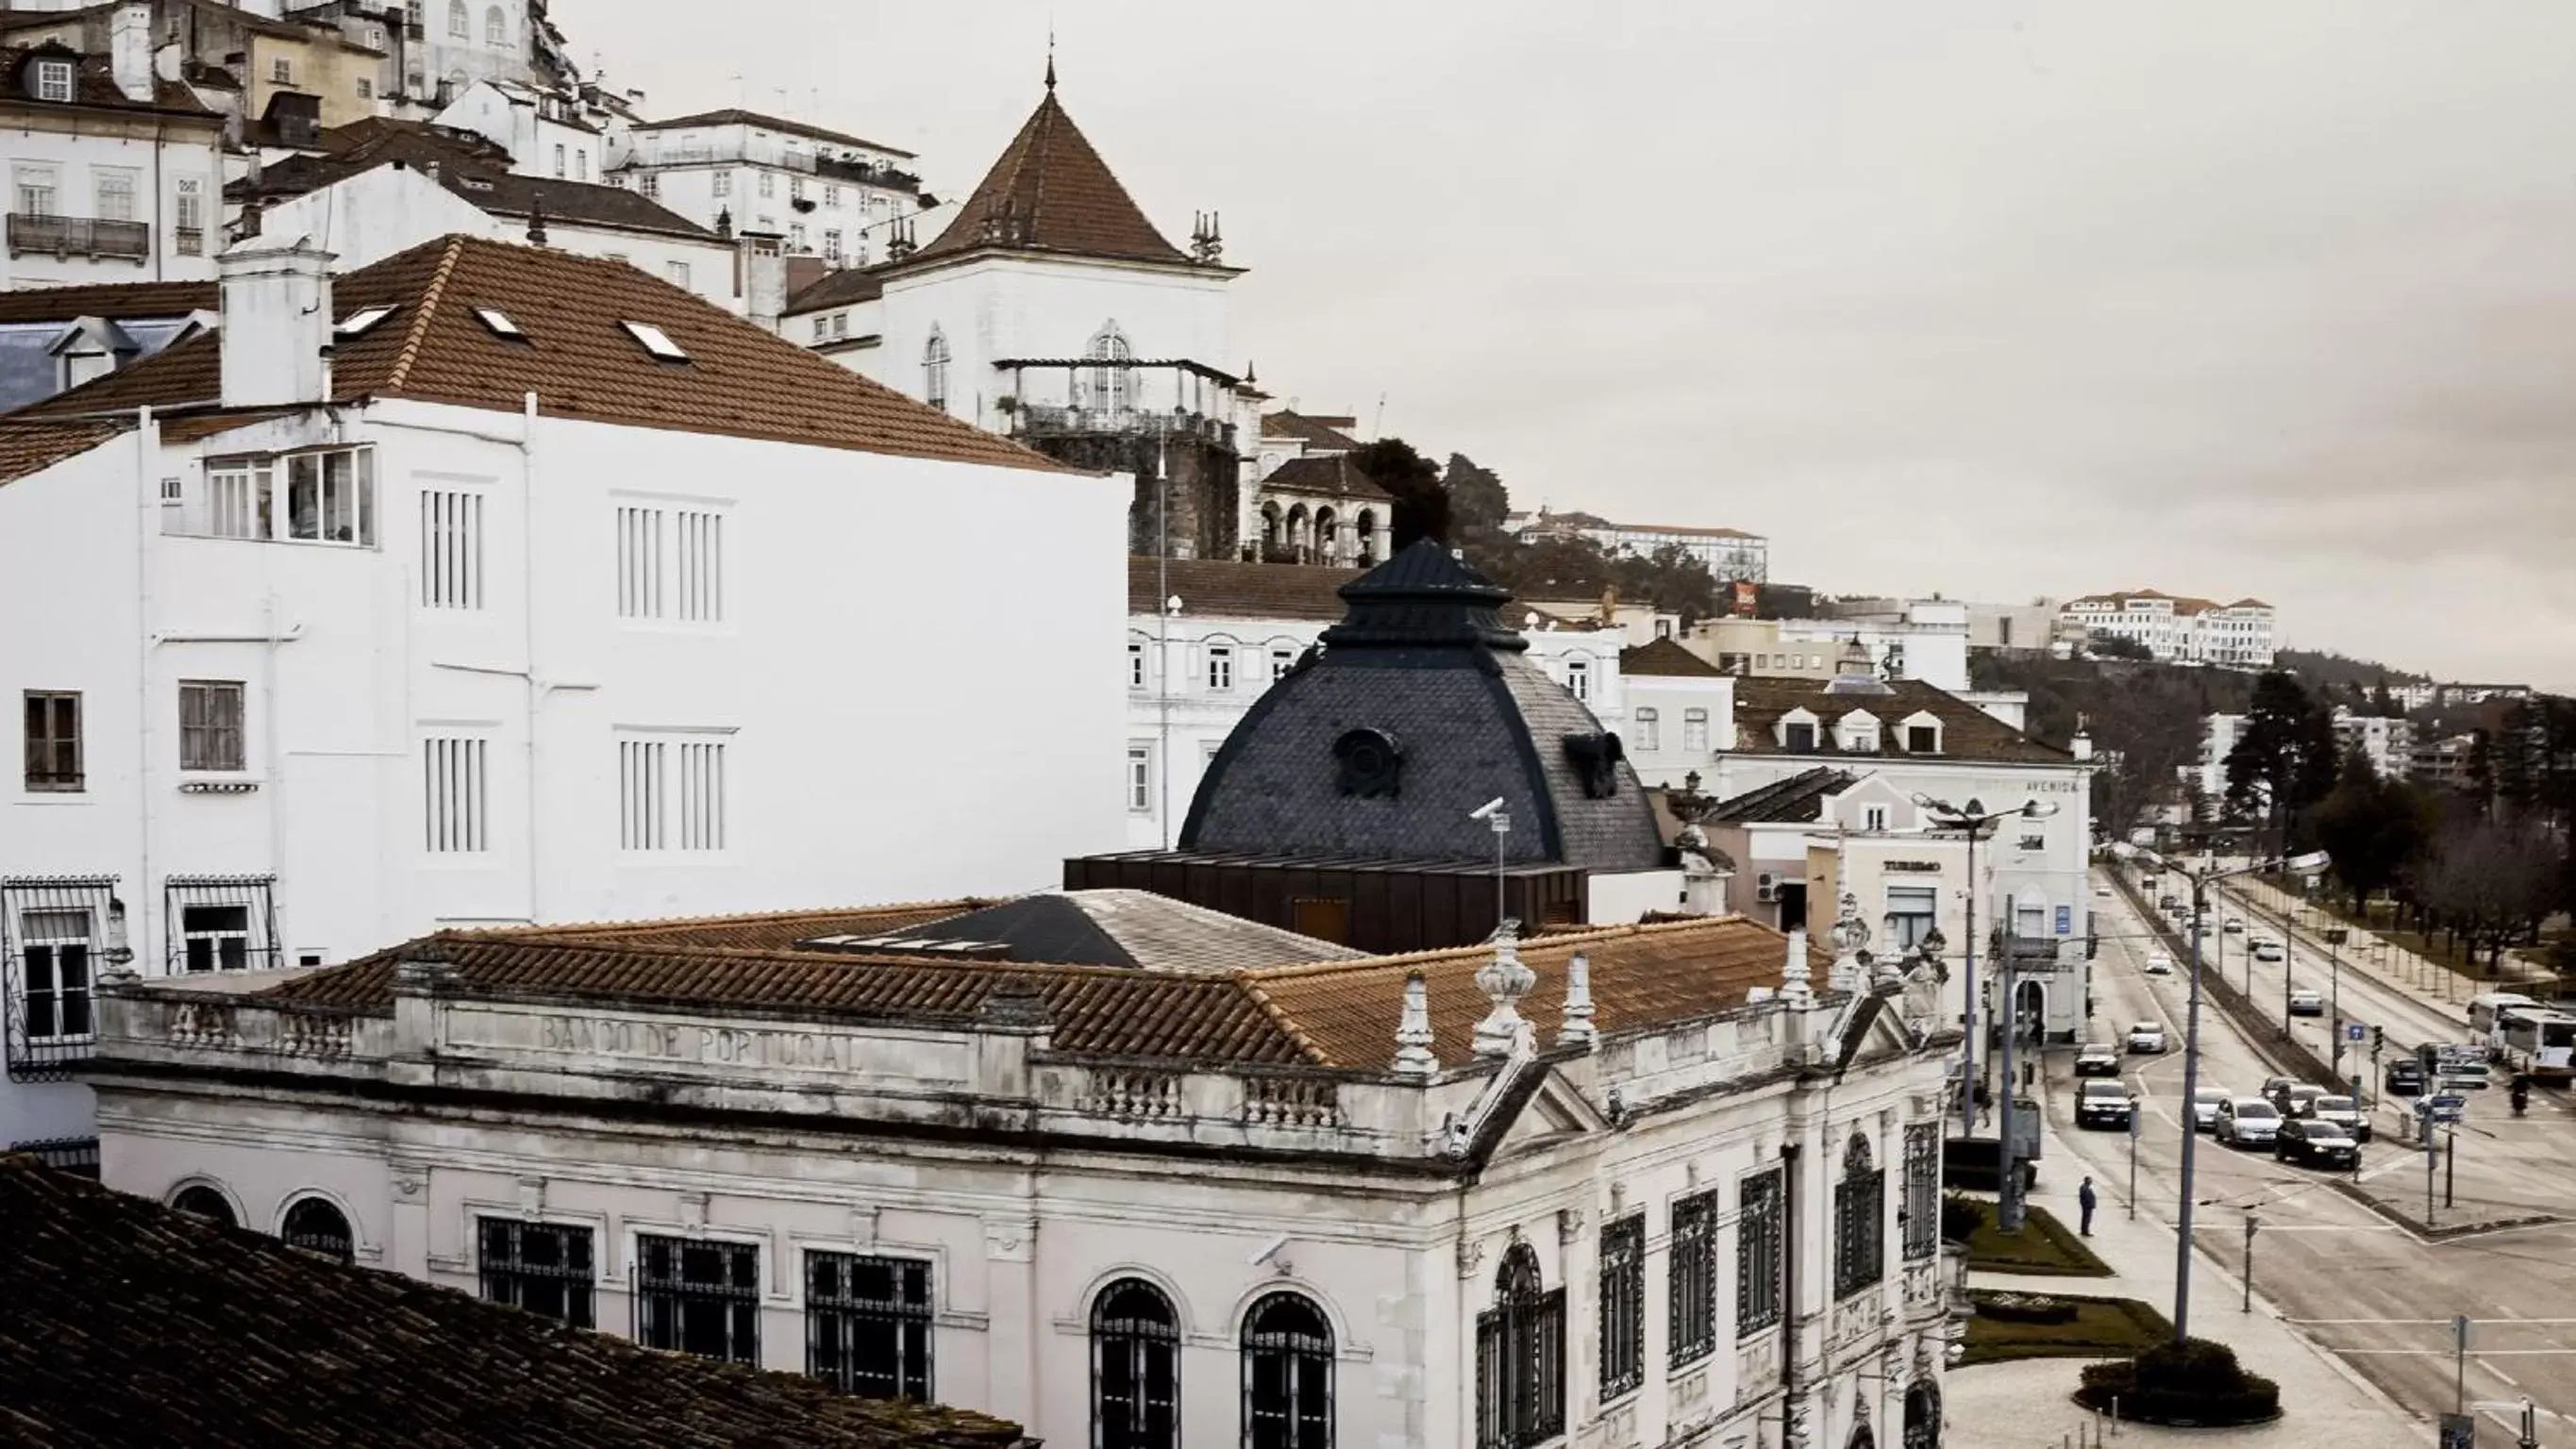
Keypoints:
pixel 2204 1106
pixel 2267 951
pixel 2101 893
pixel 2235 926
pixel 2159 964
pixel 2304 1002
pixel 2247 1122
pixel 2147 1036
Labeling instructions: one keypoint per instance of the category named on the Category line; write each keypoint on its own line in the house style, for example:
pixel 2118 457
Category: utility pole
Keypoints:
pixel 2009 1211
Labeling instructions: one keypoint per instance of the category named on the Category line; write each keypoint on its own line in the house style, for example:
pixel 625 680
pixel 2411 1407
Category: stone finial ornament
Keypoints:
pixel 1504 980
pixel 1413 1056
pixel 1796 981
pixel 1578 1029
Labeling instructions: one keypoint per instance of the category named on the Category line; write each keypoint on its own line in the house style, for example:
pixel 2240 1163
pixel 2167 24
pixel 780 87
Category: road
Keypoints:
pixel 2356 1283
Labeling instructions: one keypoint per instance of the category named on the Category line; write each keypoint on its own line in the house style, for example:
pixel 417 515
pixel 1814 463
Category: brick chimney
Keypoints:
pixel 129 48
pixel 276 328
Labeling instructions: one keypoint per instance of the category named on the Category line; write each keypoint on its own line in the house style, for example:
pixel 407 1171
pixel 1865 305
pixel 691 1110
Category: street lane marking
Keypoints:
pixel 2451 1353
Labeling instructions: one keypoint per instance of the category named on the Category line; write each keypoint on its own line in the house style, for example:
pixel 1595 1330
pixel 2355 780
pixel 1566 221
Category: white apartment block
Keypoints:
pixel 420 596
pixel 114 173
pixel 2388 743
pixel 825 194
pixel 2177 629
pixel 1729 553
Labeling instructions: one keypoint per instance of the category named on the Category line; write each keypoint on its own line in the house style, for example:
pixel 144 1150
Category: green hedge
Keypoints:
pixel 2100 1328
pixel 2197 1383
pixel 2044 1246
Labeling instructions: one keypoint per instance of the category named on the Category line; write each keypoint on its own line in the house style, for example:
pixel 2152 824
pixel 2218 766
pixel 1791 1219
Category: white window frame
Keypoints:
pixel 1694 729
pixel 1220 668
pixel 1135 664
pixel 1140 777
pixel 678 273
pixel 115 189
pixel 209 758
pixel 674 791
pixel 1649 727
pixel 54 80
pixel 723 184
pixel 52 937
pixel 456 794
pixel 1578 678
pixel 451 548
pixel 671 560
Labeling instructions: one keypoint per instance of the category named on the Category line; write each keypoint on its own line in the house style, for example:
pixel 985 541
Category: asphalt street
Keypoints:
pixel 2373 1292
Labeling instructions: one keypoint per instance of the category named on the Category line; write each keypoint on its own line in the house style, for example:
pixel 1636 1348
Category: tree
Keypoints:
pixel 2286 757
pixel 2371 827
pixel 2491 882
pixel 2115 646
pixel 1421 504
pixel 1478 504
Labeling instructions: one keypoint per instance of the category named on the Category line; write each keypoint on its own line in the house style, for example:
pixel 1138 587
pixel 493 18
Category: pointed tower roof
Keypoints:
pixel 1050 192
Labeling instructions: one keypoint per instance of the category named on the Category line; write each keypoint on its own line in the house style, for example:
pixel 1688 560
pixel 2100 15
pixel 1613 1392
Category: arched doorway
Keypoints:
pixel 1922 1417
pixel 1327 540
pixel 1298 537
pixel 1367 529
pixel 2030 1010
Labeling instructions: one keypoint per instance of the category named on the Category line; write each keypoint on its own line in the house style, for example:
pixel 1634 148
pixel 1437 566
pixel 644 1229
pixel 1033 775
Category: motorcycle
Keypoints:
pixel 2520 1093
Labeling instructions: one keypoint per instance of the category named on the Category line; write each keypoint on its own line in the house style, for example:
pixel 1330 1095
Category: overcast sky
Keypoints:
pixel 1991 299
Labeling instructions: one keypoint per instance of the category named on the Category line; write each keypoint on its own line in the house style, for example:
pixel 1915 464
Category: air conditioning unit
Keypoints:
pixel 1766 887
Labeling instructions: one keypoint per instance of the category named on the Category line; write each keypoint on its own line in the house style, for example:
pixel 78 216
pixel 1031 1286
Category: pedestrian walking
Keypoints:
pixel 2085 1201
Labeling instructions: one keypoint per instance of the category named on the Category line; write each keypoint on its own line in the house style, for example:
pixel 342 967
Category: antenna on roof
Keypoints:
pixel 537 220
pixel 1050 55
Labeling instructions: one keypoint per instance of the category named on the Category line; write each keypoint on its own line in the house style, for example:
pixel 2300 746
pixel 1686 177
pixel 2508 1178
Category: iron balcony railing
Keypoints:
pixel 1044 420
pixel 85 236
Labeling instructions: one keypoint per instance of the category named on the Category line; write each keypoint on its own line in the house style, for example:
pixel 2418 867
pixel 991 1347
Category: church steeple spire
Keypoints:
pixel 1050 60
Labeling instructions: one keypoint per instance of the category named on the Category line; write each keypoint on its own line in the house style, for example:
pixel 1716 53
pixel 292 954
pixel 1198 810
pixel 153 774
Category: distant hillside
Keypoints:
pixel 2321 669
pixel 2146 718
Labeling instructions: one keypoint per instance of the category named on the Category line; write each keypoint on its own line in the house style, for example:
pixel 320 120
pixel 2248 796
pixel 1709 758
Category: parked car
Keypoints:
pixel 2147 1036
pixel 2234 926
pixel 2316 1144
pixel 2403 1079
pixel 2304 1002
pixel 2159 964
pixel 2097 1060
pixel 2343 1112
pixel 2103 1104
pixel 2204 1106
pixel 2246 1122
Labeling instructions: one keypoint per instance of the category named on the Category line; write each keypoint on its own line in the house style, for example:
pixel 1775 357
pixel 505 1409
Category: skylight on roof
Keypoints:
pixel 357 323
pixel 500 324
pixel 655 341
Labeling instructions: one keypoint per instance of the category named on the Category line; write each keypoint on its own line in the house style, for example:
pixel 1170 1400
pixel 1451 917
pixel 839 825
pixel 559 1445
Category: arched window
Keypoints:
pixel 1110 387
pixel 1922 1417
pixel 317 1226
pixel 204 1202
pixel 496 31
pixel 1135 1368
pixel 1520 1357
pixel 1367 530
pixel 1270 526
pixel 1287 1374
pixel 1650 727
pixel 1328 535
pixel 934 369
pixel 1860 1232
pixel 1861 1438
pixel 459 25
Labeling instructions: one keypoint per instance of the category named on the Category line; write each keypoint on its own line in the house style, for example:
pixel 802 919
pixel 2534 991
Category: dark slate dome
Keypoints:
pixel 1417 708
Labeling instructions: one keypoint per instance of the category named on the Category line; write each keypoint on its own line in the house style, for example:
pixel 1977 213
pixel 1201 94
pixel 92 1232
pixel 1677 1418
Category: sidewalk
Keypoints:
pixel 2027 1403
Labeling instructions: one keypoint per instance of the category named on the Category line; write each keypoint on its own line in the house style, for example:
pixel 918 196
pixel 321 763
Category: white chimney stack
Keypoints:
pixel 764 277
pixel 276 323
pixel 129 48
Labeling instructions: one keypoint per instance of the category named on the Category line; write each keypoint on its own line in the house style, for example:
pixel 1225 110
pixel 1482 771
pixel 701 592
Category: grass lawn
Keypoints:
pixel 2103 1328
pixel 2043 1247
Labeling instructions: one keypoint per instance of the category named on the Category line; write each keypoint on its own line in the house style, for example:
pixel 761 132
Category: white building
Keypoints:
pixel 545 133
pixel 2179 629
pixel 1729 553
pixel 1912 739
pixel 495 584
pixel 2218 736
pixel 2388 743
pixel 1181 1175
pixel 114 173
pixel 828 195
pixel 1193 673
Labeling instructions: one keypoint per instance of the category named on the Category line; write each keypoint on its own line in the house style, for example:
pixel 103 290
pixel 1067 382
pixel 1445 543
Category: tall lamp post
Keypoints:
pixel 2201 880
pixel 1976 822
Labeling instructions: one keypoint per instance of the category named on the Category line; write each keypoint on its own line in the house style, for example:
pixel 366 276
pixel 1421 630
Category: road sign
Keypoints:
pixel 2446 1108
pixel 2355 1031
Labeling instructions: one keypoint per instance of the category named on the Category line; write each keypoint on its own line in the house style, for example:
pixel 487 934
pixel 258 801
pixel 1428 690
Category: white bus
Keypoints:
pixel 2541 1044
pixel 2487 1011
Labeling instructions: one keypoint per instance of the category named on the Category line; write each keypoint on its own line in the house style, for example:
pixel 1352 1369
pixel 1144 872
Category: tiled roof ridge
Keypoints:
pixel 1581 937
pixel 416 335
pixel 636 924
pixel 1288 1026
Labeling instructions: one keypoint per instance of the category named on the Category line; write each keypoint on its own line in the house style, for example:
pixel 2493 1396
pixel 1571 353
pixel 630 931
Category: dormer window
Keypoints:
pixel 1857 732
pixel 53 80
pixel 1922 733
pixel 1797 732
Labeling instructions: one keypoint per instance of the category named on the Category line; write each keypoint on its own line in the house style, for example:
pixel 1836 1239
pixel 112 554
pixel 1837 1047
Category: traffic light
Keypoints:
pixel 2378 1039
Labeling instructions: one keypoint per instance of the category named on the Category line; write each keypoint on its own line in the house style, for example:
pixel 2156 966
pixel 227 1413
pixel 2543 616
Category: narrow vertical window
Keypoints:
pixel 451 549
pixel 56 950
pixel 454 795
pixel 1692 1274
pixel 210 724
pixel 934 370
pixel 1860 1235
pixel 1757 1253
pixel 53 741
pixel 1650 729
pixel 1520 1357
pixel 1922 1190
pixel 1287 1355
pixel 640 803
pixel 1623 1306
pixel 702 796
pixel 1220 666
pixel 1140 778
pixel 1135 1368
pixel 1578 678
pixel 1694 729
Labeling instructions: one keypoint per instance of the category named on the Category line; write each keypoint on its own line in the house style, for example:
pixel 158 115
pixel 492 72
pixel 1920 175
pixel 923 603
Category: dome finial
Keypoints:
pixel 1050 60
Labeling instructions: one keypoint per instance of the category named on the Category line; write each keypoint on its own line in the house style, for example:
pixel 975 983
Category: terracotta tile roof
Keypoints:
pixel 115 301
pixel 1334 1014
pixel 1668 658
pixel 1051 192
pixel 1967 732
pixel 1331 474
pixel 734 116
pixel 1315 434
pixel 94 85
pixel 1226 589
pixel 32 448
pixel 740 380
pixel 838 289
pixel 132 1323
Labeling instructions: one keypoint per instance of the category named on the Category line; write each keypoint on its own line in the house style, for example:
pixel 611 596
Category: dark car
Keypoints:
pixel 2405 1079
pixel 2103 1104
pixel 2097 1060
pixel 2312 1143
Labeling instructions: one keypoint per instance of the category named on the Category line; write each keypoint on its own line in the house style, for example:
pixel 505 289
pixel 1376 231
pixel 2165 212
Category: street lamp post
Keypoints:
pixel 1975 821
pixel 2201 881
pixel 2335 937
